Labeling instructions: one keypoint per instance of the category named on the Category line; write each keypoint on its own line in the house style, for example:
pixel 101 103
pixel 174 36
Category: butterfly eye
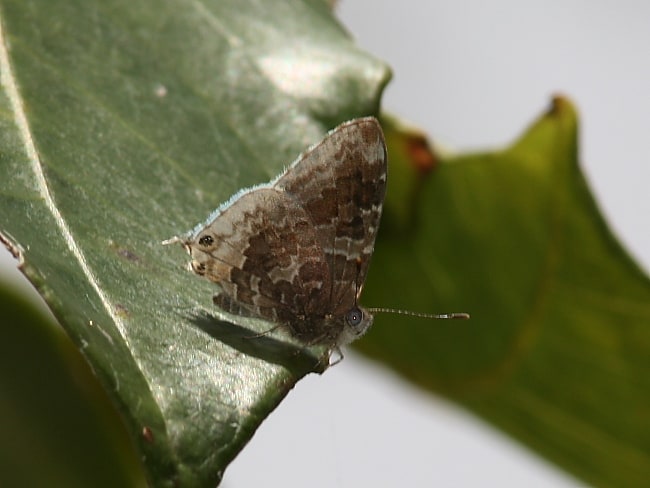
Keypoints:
pixel 206 240
pixel 354 316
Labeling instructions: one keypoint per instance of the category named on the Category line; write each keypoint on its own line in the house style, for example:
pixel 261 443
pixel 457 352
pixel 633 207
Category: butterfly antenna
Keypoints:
pixel 423 315
pixel 455 315
pixel 172 240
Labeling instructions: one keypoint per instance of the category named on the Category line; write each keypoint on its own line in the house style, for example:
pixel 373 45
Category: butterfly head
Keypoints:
pixel 355 323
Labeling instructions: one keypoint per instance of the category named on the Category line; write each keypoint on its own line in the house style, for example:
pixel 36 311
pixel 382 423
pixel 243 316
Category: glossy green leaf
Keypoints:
pixel 557 351
pixel 124 123
pixel 57 424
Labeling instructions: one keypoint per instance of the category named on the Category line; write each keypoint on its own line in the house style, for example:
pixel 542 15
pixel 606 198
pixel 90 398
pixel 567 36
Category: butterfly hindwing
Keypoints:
pixel 264 254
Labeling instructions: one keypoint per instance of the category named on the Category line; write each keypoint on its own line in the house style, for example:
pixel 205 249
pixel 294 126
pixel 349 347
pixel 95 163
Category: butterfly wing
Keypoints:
pixel 341 183
pixel 263 252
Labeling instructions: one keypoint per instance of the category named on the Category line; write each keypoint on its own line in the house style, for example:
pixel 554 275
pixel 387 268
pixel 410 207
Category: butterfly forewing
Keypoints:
pixel 344 202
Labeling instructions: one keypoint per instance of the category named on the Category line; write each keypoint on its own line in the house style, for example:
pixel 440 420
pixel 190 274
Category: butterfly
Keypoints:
pixel 296 251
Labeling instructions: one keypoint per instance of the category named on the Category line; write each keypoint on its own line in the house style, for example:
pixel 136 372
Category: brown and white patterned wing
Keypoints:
pixel 344 202
pixel 264 254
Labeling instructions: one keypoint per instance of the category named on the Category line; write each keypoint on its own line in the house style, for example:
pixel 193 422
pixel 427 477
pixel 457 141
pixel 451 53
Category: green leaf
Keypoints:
pixel 125 123
pixel 57 424
pixel 557 351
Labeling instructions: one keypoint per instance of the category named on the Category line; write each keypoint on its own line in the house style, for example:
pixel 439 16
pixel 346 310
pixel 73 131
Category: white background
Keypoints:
pixel 473 74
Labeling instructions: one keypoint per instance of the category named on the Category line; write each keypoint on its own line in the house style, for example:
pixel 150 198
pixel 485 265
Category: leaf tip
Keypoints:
pixel 562 107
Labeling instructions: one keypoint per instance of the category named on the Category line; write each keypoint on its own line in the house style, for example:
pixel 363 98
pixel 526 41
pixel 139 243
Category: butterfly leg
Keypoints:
pixel 265 332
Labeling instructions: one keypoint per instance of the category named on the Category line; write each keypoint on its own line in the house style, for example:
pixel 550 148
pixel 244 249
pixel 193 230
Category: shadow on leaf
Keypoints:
pixel 299 360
